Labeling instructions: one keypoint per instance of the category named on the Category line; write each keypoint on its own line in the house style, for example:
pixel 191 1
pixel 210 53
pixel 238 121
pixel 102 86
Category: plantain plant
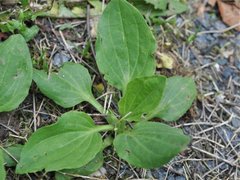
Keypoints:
pixel 124 55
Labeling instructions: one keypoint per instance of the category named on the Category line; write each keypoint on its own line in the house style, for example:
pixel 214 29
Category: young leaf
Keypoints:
pixel 125 45
pixel 158 4
pixel 175 7
pixel 29 33
pixel 147 10
pixel 69 87
pixel 178 97
pixel 12 155
pixel 16 72
pixel 70 143
pixel 154 9
pixel 2 169
pixel 150 144
pixel 141 96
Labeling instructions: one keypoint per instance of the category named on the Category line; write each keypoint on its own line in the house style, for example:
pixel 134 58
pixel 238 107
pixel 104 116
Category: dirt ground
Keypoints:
pixel 212 58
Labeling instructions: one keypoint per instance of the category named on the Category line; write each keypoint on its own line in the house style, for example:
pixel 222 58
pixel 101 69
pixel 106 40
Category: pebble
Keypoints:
pixel 180 178
pixel 217 67
pixel 219 25
pixel 237 64
pixel 211 164
pixel 236 122
pixel 225 133
pixel 222 61
pixel 171 177
pixel 224 166
pixel 60 58
pixel 236 142
pixel 205 43
pixel 206 61
pixel 202 42
pixel 227 72
pixel 161 174
pixel 179 21
pixel 237 40
pixel 221 41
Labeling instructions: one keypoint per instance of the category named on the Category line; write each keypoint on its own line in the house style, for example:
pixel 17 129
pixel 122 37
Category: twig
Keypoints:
pixel 219 31
pixel 215 156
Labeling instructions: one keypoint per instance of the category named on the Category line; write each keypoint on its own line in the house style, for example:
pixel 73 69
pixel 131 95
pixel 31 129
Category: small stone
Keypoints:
pixel 224 166
pixel 60 58
pixel 237 64
pixel 206 61
pixel 228 72
pixel 236 122
pixel 217 67
pixel 180 178
pixel 220 97
pixel 222 61
pixel 219 25
pixel 201 42
pixel 237 41
pixel 161 174
pixel 179 21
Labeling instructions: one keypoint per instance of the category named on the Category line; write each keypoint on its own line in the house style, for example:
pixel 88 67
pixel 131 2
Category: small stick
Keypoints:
pixel 217 157
pixel 218 31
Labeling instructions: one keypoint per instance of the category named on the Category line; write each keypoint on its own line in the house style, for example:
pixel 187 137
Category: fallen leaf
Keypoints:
pixel 201 10
pixel 99 87
pixel 230 13
pixel 93 25
pixel 166 61
pixel 228 53
pixel 212 2
pixel 158 4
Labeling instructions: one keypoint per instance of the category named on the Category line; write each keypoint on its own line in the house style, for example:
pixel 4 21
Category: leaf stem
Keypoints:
pixel 96 104
pixel 111 119
pixel 104 128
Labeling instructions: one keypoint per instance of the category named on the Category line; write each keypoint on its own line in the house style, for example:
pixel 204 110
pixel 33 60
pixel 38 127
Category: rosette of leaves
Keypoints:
pixel 125 56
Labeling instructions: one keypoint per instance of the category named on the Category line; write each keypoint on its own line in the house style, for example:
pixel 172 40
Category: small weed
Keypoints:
pixel 124 53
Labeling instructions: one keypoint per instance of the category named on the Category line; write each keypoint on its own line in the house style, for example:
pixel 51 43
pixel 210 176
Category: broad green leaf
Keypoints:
pixel 125 45
pixel 178 97
pixel 141 96
pixel 15 72
pixel 150 144
pixel 12 155
pixel 69 87
pixel 86 170
pixel 158 4
pixel 70 143
pixel 2 169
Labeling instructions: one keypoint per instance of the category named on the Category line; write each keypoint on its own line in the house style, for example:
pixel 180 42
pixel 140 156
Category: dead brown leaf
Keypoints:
pixel 212 2
pixel 201 10
pixel 230 13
